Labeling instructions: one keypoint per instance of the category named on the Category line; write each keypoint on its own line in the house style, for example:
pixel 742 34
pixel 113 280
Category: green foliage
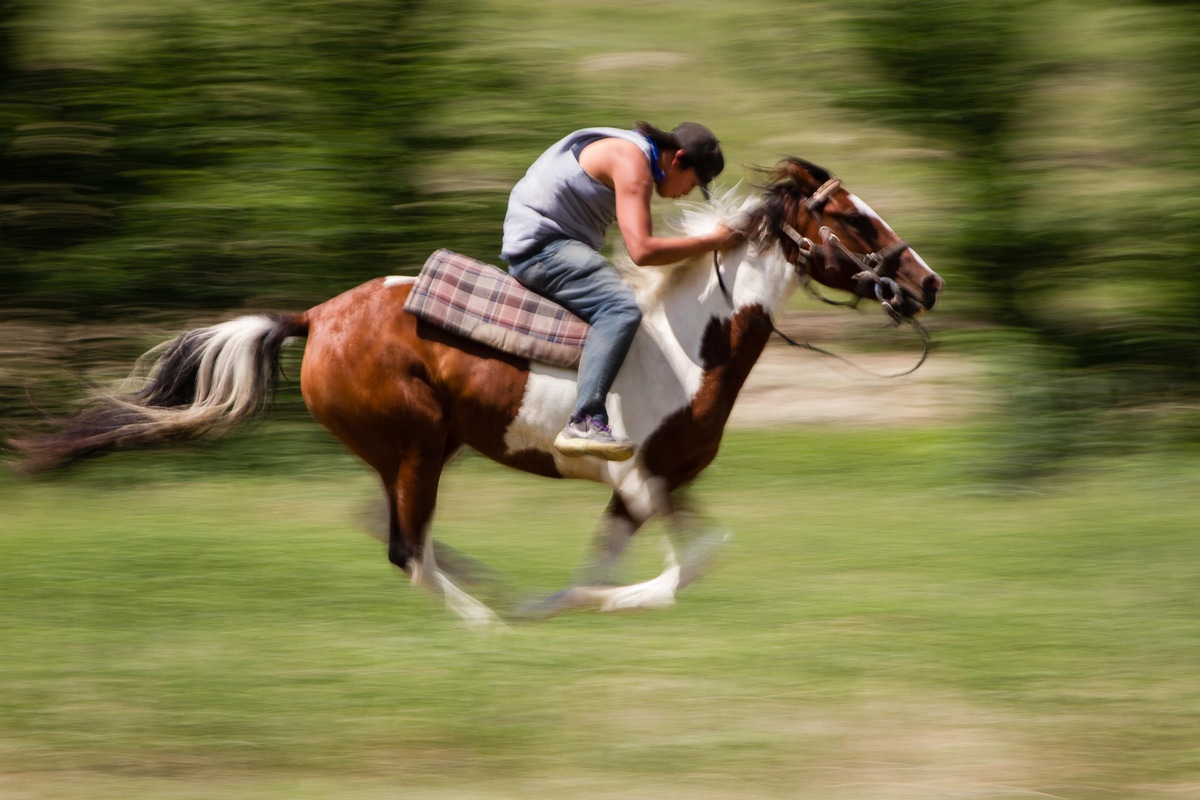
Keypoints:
pixel 956 70
pixel 240 148
pixel 1110 298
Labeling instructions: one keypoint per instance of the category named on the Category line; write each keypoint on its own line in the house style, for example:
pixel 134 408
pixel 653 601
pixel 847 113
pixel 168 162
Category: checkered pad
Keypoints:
pixel 487 305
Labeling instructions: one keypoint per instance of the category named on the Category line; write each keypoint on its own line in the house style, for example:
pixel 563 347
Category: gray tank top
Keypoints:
pixel 558 200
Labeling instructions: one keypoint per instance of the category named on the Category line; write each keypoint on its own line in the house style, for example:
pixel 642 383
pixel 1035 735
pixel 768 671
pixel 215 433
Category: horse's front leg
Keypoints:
pixel 690 550
pixel 617 528
pixel 693 546
pixel 588 591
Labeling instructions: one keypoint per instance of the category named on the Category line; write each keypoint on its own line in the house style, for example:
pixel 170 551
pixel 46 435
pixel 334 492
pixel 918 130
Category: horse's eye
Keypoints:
pixel 861 224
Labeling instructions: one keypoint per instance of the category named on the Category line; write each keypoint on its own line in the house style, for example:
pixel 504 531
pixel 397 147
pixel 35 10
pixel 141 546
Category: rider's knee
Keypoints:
pixel 628 314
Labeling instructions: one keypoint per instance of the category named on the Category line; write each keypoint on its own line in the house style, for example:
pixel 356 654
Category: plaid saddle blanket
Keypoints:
pixel 487 305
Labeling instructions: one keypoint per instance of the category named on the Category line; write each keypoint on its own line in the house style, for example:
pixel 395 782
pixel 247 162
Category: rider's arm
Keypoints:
pixel 634 188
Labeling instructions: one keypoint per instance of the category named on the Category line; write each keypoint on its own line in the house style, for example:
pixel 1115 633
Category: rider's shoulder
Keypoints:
pixel 616 147
pixel 618 158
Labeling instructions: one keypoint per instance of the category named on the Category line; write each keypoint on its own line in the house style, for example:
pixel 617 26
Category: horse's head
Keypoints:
pixel 834 238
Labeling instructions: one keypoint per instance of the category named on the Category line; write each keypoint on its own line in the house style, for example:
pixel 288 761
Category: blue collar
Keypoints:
pixel 655 169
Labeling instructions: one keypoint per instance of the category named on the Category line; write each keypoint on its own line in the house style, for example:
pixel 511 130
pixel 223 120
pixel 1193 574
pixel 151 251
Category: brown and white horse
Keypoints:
pixel 405 396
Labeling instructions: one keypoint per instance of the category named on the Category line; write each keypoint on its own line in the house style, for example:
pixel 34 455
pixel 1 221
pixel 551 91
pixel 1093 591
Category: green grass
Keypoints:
pixel 879 627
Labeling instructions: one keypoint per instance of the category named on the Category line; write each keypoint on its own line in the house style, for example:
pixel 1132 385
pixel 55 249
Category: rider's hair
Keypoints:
pixel 664 141
pixel 700 147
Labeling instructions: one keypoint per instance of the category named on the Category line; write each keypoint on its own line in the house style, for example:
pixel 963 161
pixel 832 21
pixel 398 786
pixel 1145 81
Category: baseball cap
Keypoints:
pixel 703 151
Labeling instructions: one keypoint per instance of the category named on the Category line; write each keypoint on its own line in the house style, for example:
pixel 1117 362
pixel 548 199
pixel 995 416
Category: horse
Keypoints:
pixel 405 396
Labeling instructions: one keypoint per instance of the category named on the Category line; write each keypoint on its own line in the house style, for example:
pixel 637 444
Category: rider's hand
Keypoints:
pixel 725 238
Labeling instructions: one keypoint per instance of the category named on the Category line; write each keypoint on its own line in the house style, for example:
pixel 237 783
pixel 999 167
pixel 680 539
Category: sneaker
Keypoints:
pixel 590 437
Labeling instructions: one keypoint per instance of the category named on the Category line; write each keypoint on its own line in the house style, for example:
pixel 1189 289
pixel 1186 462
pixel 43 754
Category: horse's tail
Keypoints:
pixel 202 382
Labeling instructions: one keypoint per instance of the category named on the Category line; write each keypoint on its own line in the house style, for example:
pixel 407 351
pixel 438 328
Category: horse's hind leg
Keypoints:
pixel 693 546
pixel 412 497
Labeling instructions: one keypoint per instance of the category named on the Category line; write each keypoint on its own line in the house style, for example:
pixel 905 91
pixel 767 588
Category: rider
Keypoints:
pixel 557 218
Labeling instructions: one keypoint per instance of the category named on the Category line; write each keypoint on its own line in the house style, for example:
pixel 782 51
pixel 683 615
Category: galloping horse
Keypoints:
pixel 405 396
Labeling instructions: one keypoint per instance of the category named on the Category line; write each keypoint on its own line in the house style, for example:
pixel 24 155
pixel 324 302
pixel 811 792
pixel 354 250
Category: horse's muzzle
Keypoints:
pixel 902 302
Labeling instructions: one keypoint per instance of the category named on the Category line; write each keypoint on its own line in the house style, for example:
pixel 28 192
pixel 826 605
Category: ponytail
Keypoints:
pixel 664 141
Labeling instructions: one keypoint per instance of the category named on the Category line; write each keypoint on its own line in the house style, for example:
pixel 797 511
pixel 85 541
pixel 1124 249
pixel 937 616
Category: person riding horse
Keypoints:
pixel 555 226
pixel 406 395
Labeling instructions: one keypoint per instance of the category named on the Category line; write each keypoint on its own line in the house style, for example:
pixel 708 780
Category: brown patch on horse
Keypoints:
pixel 360 380
pixel 688 440
pixel 471 376
pixel 409 380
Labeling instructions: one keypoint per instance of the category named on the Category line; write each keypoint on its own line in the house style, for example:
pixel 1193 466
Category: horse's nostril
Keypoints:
pixel 933 284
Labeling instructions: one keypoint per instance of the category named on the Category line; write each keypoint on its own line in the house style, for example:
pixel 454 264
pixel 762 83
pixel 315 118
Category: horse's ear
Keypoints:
pixel 806 175
pixel 798 173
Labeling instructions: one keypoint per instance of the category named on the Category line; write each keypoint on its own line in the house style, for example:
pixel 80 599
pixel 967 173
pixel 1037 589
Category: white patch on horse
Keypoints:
pixel 659 377
pixel 545 409
pixel 549 398
pixel 645 495
pixel 398 280
pixel 657 592
pixel 866 210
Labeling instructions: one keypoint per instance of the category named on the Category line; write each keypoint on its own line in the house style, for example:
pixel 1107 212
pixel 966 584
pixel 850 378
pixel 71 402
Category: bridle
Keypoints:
pixel 871 272
pixel 871 266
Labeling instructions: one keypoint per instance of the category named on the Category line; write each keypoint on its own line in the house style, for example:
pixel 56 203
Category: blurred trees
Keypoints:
pixel 257 152
pixel 956 72
pixel 161 158
pixel 1101 308
pixel 261 145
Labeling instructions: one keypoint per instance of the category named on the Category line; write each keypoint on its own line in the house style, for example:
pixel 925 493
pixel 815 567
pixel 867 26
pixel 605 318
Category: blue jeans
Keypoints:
pixel 581 280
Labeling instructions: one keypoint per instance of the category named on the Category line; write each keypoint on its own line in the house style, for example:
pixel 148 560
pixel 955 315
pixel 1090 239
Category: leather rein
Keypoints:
pixel 871 273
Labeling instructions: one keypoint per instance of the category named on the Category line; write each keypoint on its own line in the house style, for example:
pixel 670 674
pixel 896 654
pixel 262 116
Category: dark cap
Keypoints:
pixel 702 151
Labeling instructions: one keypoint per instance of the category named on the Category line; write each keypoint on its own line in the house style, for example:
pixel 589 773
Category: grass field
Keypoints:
pixel 214 624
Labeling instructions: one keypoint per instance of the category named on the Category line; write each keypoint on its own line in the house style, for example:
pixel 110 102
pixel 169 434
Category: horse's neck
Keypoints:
pixel 732 349
pixel 723 330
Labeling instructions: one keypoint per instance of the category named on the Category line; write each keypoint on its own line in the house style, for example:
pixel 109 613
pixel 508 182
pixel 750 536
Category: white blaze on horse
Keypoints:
pixel 405 395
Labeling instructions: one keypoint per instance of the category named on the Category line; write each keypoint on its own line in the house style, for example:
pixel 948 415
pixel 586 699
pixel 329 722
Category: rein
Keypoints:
pixel 918 327
pixel 887 291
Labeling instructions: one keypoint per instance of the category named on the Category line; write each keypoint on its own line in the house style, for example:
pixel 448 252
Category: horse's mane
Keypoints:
pixel 784 187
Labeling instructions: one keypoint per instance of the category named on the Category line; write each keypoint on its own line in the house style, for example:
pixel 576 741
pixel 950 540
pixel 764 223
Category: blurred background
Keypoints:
pixel 982 580
pixel 160 160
